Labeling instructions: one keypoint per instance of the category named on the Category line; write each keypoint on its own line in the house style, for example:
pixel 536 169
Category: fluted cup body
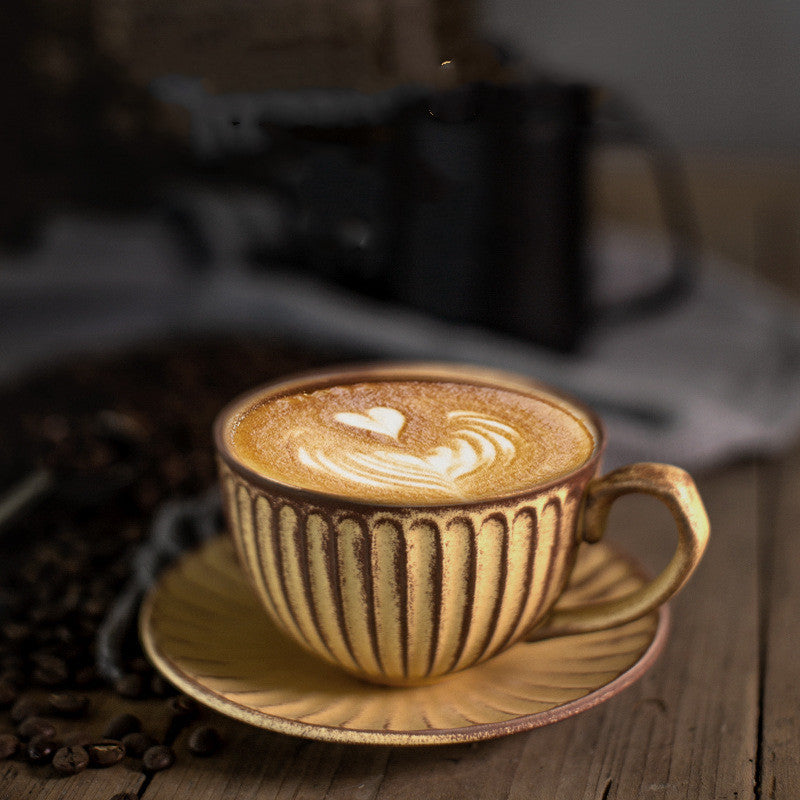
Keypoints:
pixel 404 594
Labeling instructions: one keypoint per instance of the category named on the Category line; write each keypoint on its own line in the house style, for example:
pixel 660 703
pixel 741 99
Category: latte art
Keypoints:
pixel 379 419
pixel 478 442
pixel 407 440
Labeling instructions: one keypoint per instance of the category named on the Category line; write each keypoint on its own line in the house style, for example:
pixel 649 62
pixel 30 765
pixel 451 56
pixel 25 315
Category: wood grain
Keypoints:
pixel 688 729
pixel 780 756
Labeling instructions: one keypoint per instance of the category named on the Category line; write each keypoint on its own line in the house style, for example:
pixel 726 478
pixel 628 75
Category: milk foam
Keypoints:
pixel 412 441
pixel 476 444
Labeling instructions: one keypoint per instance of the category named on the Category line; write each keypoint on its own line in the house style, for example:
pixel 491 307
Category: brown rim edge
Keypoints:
pixel 419 370
pixel 472 733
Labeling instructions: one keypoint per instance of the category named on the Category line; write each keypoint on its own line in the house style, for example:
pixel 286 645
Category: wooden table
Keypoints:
pixel 716 717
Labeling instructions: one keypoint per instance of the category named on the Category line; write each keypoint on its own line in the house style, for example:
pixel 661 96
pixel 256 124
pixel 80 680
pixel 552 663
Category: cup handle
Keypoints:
pixel 676 489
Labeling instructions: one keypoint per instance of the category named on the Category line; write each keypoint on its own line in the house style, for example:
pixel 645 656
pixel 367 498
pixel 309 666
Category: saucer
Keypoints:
pixel 203 628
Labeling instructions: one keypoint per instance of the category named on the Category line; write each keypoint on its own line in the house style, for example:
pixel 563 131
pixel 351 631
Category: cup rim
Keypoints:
pixel 412 370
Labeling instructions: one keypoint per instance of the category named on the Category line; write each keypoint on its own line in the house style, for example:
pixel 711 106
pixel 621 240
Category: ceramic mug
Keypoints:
pixel 406 593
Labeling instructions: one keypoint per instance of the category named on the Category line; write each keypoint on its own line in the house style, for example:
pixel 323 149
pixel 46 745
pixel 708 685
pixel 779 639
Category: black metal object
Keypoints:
pixel 468 204
pixel 490 223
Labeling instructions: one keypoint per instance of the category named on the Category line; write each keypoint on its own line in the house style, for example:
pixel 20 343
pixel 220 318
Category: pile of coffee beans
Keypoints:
pixel 117 436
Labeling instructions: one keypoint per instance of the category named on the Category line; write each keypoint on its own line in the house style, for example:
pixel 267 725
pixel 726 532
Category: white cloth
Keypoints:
pixel 714 377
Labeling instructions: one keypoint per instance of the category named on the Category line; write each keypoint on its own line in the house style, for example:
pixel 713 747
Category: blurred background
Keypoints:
pixel 200 197
pixel 605 197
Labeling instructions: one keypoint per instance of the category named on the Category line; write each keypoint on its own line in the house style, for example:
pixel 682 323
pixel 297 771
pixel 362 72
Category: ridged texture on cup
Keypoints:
pixel 404 596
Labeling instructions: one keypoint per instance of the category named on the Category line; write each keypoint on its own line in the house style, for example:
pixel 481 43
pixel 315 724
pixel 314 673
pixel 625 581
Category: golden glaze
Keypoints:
pixel 405 594
pixel 203 627
pixel 404 597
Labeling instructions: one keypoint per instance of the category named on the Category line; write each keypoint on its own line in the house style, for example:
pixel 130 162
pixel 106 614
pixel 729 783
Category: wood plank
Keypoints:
pixel 265 765
pixel 688 729
pixel 483 771
pixel 780 740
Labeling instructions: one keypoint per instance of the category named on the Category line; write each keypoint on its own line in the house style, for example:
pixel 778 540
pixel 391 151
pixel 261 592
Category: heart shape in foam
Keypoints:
pixel 476 441
pixel 378 419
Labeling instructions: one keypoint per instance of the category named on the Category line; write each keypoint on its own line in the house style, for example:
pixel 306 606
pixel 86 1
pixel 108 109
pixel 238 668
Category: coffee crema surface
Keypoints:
pixel 419 441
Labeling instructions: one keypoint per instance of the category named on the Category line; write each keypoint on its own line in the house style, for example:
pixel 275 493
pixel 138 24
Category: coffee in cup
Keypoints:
pixel 412 441
pixel 408 521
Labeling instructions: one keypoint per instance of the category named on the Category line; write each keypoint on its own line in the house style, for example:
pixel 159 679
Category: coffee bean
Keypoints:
pixel 86 628
pixel 45 614
pixel 27 706
pixel 41 749
pixel 161 687
pixel 50 670
pixel 16 676
pixel 94 607
pixel 62 635
pixel 9 744
pixel 71 599
pixel 105 753
pixel 8 693
pixel 182 709
pixel 68 704
pixel 182 706
pixel 158 757
pixel 204 741
pixel 85 677
pixel 137 743
pixel 121 726
pixel 13 659
pixel 16 632
pixel 71 566
pixel 130 685
pixel 35 726
pixel 70 760
pixel 13 662
pixel 69 572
